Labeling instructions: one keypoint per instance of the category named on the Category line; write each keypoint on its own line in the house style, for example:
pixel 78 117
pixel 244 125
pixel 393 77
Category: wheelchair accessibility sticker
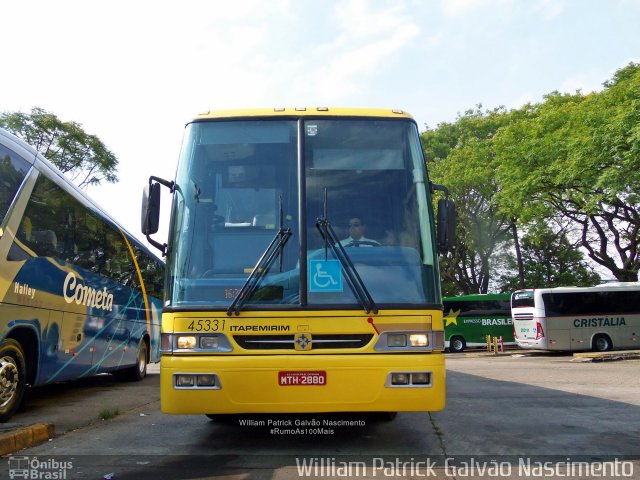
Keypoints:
pixel 325 276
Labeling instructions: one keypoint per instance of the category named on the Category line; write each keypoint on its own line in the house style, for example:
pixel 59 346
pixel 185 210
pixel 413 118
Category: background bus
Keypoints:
pixel 468 319
pixel 78 295
pixel 267 311
pixel 570 318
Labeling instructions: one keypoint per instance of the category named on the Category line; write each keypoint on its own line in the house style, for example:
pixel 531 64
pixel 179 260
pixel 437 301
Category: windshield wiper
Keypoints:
pixel 354 280
pixel 262 267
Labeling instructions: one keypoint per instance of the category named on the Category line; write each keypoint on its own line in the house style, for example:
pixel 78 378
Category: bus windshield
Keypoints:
pixel 522 298
pixel 242 181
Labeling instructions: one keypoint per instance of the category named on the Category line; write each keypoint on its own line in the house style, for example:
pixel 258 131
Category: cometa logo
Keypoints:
pixel 74 291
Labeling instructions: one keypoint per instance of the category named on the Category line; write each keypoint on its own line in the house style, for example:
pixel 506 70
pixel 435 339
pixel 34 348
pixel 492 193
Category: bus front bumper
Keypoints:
pixel 301 383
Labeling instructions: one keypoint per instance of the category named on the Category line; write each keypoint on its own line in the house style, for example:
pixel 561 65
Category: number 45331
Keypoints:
pixel 206 325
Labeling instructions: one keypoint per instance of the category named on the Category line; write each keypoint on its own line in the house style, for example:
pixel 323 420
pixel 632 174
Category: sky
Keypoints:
pixel 135 72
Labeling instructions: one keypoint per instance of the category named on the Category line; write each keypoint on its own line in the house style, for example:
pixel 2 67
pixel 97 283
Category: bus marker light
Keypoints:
pixel 165 342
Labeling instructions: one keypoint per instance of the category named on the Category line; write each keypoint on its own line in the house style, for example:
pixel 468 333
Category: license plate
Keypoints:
pixel 525 333
pixel 296 379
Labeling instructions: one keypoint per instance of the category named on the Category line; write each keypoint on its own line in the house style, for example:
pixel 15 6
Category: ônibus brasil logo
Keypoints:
pixel 34 468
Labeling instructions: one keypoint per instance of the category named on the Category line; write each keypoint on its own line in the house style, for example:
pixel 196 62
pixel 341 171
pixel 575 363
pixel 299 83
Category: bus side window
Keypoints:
pixel 121 267
pixel 152 274
pixel 45 242
pixel 43 221
pixel 86 234
pixel 13 169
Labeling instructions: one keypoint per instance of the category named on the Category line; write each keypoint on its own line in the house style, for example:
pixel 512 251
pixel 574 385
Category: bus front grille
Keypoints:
pixel 286 342
pixel 523 316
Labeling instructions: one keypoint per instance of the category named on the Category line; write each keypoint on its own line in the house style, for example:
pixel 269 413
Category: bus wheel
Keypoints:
pixel 457 344
pixel 387 416
pixel 13 377
pixel 139 371
pixel 601 343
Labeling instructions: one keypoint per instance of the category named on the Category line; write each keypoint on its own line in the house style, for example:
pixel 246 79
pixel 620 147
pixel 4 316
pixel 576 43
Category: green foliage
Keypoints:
pixel 83 157
pixel 109 413
pixel 549 260
pixel 576 159
pixel 468 170
pixel 566 170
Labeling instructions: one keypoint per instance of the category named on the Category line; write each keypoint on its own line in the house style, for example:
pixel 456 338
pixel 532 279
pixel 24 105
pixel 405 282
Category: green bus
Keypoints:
pixel 468 320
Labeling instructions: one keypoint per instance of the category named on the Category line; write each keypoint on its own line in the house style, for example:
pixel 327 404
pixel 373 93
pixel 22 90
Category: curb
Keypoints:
pixel 606 356
pixel 24 437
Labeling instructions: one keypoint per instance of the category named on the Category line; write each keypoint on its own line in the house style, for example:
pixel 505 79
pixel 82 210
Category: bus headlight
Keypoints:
pixel 186 342
pixel 396 340
pixel 400 379
pixel 189 381
pixel 408 380
pixel 206 380
pixel 420 378
pixel 208 343
pixel 418 340
pixel 404 341
pixel 185 381
pixel 194 343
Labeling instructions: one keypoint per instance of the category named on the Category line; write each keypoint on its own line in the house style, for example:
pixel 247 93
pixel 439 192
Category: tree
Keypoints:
pixel 461 157
pixel 577 158
pixel 79 155
pixel 550 260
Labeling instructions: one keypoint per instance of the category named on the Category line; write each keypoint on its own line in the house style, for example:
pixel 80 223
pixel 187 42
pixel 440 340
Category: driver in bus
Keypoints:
pixel 356 238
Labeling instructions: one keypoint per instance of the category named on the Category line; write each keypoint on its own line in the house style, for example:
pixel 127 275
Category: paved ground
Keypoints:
pixel 69 406
pixel 61 408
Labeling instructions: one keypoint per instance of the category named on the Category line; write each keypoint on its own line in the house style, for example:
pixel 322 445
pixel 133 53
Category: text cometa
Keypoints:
pixel 74 291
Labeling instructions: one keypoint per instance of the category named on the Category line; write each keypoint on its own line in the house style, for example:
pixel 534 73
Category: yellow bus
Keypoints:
pixel 302 269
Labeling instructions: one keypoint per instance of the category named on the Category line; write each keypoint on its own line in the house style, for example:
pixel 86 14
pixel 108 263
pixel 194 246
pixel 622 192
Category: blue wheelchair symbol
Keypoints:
pixel 325 276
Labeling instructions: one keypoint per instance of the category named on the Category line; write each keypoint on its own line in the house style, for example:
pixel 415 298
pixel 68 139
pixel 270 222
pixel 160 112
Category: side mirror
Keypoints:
pixel 446 227
pixel 150 220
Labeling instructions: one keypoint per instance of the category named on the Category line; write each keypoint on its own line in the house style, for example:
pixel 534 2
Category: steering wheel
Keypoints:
pixel 366 243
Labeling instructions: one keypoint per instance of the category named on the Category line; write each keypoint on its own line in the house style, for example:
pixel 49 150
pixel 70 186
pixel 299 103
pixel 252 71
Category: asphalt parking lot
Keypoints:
pixel 530 403
pixel 542 403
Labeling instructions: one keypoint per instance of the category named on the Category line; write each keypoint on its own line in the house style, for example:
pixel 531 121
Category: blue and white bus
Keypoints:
pixel 78 294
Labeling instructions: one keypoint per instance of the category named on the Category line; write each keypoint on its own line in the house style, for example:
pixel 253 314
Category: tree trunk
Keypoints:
pixel 516 242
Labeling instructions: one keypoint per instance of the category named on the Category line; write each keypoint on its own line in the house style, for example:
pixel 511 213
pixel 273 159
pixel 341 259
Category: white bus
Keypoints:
pixel 571 318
